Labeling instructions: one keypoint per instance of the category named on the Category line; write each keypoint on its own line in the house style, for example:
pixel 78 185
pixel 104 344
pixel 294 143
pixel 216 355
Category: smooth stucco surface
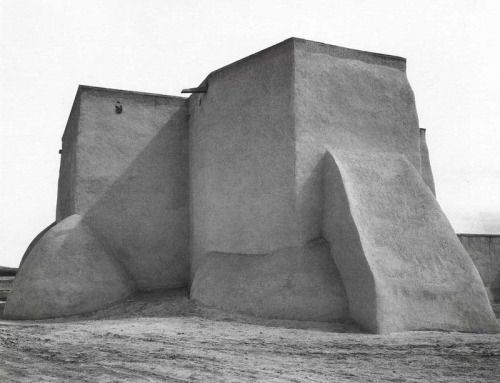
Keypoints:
pixel 242 158
pixel 402 265
pixel 127 175
pixel 346 100
pixel 300 283
pixel 247 248
pixel 257 159
pixel 484 251
pixel 69 271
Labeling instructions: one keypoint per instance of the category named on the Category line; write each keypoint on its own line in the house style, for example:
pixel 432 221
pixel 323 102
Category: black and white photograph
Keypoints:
pixel 249 191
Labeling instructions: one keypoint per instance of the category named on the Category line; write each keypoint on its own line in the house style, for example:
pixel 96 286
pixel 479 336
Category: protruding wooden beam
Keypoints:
pixel 201 89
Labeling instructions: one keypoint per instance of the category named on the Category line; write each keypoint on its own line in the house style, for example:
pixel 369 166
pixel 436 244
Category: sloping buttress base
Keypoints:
pixel 402 265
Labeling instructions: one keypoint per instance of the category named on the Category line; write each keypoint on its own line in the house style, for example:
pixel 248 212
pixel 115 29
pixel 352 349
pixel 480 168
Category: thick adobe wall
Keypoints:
pixel 402 265
pixel 247 253
pixel 127 175
pixel 347 99
pixel 242 158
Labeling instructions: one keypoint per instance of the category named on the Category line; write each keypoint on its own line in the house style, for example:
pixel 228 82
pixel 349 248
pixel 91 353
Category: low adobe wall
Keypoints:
pixel 484 250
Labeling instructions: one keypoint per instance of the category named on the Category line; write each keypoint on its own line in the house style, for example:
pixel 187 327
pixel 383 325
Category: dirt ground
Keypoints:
pixel 164 337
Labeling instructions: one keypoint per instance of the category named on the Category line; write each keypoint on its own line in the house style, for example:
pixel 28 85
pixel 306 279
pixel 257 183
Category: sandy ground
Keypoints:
pixel 164 337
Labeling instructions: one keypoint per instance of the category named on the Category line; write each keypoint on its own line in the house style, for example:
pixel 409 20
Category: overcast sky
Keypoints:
pixel 47 48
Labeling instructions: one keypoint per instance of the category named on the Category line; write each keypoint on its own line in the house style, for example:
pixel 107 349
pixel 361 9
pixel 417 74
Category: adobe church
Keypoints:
pixel 293 184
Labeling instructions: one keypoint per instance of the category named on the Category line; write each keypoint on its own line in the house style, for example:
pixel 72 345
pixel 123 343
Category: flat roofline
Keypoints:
pixel 82 88
pixel 386 56
pixel 478 235
pixel 129 92
pixel 292 40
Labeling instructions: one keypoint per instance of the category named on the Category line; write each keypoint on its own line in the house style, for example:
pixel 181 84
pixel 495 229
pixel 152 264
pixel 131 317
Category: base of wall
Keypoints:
pixel 296 283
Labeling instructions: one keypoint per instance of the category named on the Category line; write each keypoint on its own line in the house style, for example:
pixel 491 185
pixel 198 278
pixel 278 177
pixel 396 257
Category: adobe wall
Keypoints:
pixel 247 252
pixel 66 187
pixel 402 265
pixel 286 191
pixel 296 283
pixel 387 233
pixel 485 253
pixel 347 99
pixel 258 142
pixel 127 175
pixel 242 158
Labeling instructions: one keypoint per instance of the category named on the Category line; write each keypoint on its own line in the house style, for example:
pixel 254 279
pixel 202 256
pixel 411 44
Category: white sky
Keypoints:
pixel 47 48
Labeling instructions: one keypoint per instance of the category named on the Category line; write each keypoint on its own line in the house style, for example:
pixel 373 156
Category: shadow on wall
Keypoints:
pixel 311 195
pixel 140 220
pixel 143 215
pixel 68 272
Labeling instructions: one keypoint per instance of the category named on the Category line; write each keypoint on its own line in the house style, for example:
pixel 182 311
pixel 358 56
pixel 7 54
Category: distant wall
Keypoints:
pixel 127 175
pixel 7 271
pixel 485 253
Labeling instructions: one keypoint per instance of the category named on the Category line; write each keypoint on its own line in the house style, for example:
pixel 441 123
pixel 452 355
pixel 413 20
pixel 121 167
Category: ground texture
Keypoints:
pixel 167 338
